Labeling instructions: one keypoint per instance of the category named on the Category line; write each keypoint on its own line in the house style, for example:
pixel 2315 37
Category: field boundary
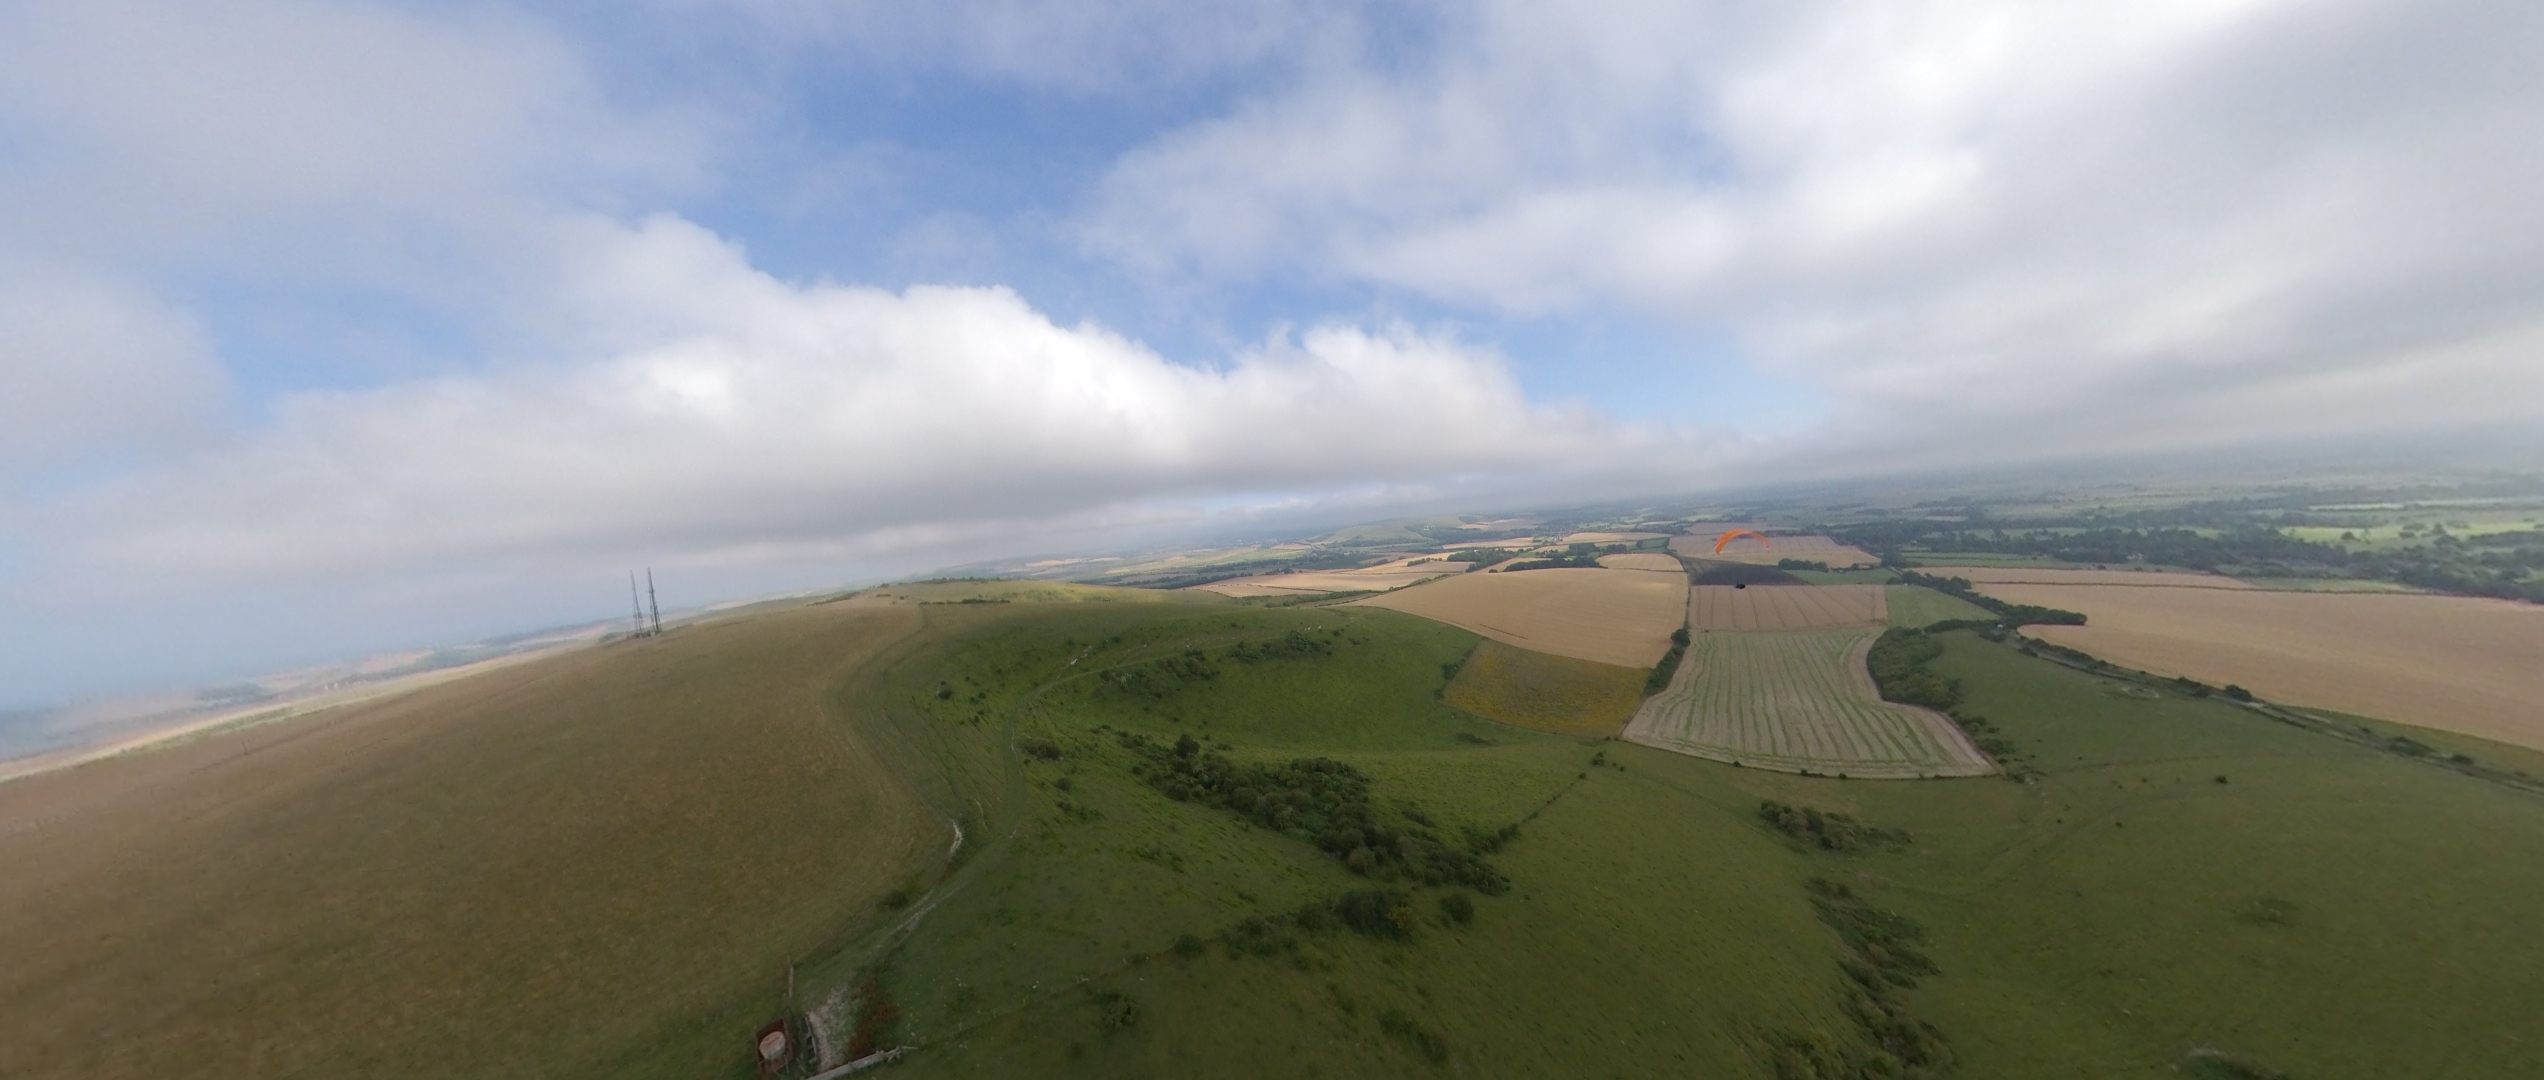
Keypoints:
pixel 2293 716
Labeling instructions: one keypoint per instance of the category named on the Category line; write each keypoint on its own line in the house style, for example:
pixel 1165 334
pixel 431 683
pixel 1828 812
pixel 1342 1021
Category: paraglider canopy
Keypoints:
pixel 1726 538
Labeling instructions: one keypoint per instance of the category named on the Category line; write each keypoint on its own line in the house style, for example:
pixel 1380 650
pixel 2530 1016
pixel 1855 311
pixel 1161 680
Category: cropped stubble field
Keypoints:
pixel 2456 663
pixel 595 864
pixel 1819 549
pixel 1620 617
pixel 1795 701
pixel 1786 607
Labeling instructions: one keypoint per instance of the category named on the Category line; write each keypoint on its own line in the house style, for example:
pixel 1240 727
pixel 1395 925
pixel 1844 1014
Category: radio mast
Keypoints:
pixel 649 598
pixel 638 601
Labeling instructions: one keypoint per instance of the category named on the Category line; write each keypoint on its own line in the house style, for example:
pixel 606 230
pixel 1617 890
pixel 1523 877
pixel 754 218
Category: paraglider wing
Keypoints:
pixel 1726 538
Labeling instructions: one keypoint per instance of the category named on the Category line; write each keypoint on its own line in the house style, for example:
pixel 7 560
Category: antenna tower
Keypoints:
pixel 632 598
pixel 649 599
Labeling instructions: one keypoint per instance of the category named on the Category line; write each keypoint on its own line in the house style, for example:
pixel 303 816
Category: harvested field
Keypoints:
pixel 1621 617
pixel 1786 607
pixel 2022 575
pixel 1644 560
pixel 1394 575
pixel 2449 662
pixel 1819 549
pixel 588 864
pixel 1543 691
pixel 1798 701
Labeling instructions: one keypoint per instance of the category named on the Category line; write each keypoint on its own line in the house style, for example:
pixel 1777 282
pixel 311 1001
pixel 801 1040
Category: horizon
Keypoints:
pixel 334 328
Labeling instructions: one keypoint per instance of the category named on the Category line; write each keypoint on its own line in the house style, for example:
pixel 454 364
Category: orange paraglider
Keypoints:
pixel 1728 537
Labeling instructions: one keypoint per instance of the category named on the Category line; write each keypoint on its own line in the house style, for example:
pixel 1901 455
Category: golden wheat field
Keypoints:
pixel 1787 607
pixel 2454 663
pixel 1644 560
pixel 1797 701
pixel 1621 617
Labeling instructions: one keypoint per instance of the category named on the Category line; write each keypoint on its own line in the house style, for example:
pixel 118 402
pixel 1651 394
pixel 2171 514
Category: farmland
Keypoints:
pixel 2013 575
pixel 1619 617
pixel 1796 701
pixel 1819 549
pixel 1644 560
pixel 1548 693
pixel 2177 873
pixel 1915 605
pixel 2455 663
pixel 593 863
pixel 1786 607
pixel 1390 575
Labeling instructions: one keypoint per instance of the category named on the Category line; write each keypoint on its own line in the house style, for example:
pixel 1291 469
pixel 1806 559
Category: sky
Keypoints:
pixel 335 327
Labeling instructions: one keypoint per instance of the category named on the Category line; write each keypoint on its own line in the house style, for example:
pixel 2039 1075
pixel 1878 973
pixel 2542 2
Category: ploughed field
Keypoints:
pixel 1620 617
pixel 1797 701
pixel 2459 664
pixel 1786 607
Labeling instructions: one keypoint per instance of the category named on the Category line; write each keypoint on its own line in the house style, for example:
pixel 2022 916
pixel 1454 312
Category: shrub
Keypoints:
pixel 1187 946
pixel 1423 1040
pixel 1459 907
pixel 1377 913
pixel 1115 1011
pixel 2237 693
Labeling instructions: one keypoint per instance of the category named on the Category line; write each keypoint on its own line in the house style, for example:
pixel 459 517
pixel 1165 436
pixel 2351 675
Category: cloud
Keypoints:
pixel 2034 217
pixel 719 412
pixel 93 368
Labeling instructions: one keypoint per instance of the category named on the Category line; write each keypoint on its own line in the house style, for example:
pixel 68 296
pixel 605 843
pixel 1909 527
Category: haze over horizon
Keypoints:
pixel 337 326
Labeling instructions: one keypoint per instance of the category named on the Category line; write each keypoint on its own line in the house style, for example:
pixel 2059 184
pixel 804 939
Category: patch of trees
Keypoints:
pixel 1317 800
pixel 1558 562
pixel 1161 678
pixel 1662 672
pixel 2011 614
pixel 1888 956
pixel 1898 663
pixel 1801 564
pixel 1827 830
pixel 1291 645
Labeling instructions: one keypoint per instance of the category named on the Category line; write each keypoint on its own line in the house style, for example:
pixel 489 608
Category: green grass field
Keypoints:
pixel 596 869
pixel 1917 606
pixel 2329 911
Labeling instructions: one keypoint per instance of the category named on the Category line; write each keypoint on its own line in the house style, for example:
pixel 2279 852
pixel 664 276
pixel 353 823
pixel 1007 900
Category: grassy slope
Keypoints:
pixel 2333 911
pixel 2115 915
pixel 1916 605
pixel 1545 692
pixel 598 864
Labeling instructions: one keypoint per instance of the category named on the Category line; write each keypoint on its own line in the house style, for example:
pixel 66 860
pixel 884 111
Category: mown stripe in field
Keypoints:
pixel 1795 701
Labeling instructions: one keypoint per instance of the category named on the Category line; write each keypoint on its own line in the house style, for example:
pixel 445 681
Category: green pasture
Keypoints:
pixel 1916 605
pixel 2327 910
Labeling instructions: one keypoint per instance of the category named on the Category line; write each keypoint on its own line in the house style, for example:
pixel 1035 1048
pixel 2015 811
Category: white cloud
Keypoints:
pixel 721 412
pixel 90 368
pixel 1979 212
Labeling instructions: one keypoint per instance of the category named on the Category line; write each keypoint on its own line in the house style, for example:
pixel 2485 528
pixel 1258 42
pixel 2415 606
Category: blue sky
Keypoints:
pixel 333 326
